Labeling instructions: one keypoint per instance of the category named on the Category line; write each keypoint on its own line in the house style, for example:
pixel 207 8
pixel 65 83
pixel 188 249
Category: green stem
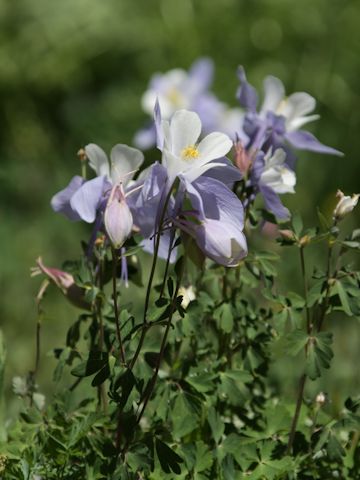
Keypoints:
pixel 297 413
pixel 116 310
pixel 151 278
pixel 303 378
pixel 163 345
pixel 303 271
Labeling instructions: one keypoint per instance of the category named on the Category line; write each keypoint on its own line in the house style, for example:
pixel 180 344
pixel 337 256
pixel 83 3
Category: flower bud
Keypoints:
pixel 118 219
pixel 320 399
pixel 65 282
pixel 345 205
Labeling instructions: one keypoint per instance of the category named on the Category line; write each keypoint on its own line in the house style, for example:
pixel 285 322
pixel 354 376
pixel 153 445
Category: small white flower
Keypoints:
pixel 276 174
pixel 188 294
pixel 182 154
pixel 345 205
pixel 294 108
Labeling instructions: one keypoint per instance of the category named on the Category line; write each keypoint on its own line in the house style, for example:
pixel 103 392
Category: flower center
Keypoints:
pixel 175 97
pixel 190 152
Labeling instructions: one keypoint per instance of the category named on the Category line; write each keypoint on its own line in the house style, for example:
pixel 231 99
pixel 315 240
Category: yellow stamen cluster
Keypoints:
pixel 190 152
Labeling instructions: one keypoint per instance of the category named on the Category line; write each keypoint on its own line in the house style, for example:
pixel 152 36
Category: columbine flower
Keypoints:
pixel 217 222
pixel 276 174
pixel 81 199
pixel 279 118
pixel 118 219
pixel 182 154
pixel 271 176
pixel 345 205
pixel 178 89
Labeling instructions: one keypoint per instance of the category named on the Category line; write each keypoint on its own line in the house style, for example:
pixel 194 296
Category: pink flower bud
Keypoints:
pixel 66 283
pixel 117 217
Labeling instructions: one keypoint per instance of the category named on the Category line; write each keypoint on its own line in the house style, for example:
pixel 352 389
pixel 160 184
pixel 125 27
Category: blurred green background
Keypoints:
pixel 72 72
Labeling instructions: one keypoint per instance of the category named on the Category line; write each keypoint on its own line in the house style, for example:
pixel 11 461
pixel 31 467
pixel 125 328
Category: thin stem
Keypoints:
pixel 297 412
pixel 303 271
pixel 167 263
pixel 327 291
pixel 163 345
pixel 102 393
pixel 303 378
pixel 116 310
pixel 151 278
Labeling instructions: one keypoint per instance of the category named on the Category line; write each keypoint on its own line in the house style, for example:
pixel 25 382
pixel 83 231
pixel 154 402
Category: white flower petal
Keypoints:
pixel 124 159
pixel 196 170
pixel 296 123
pixel 185 129
pixel 274 93
pixel 295 107
pixel 213 146
pixel 97 159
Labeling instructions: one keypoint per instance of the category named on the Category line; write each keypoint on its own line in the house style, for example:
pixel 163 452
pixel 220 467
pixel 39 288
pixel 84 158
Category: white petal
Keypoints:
pixel 274 93
pixel 278 158
pixel 296 106
pixel 185 129
pixel 215 145
pixel 196 170
pixel 124 159
pixel 296 123
pixel 97 159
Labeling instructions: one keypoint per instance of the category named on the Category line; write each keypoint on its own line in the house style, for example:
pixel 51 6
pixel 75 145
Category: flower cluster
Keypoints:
pixel 194 190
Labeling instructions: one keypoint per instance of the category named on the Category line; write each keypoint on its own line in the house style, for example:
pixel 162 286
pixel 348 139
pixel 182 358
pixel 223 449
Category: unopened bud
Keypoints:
pixel 345 205
pixel 320 399
pixel 118 219
pixel 242 158
pixel 66 283
pixel 287 235
pixel 82 155
pixel 305 240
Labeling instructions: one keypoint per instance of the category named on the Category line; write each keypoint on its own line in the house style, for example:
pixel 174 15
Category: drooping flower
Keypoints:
pixel 65 282
pixel 345 205
pixel 118 220
pixel 279 118
pixel 81 199
pixel 218 221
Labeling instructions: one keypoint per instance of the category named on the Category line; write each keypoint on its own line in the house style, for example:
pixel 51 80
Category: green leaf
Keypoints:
pixel 101 376
pixel 169 460
pixel 224 315
pixel 204 457
pixel 325 224
pixel 216 424
pixel 185 414
pixel 297 223
pixel 95 362
pixel 295 342
pixel 339 289
pixel 202 382
pixel 319 354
